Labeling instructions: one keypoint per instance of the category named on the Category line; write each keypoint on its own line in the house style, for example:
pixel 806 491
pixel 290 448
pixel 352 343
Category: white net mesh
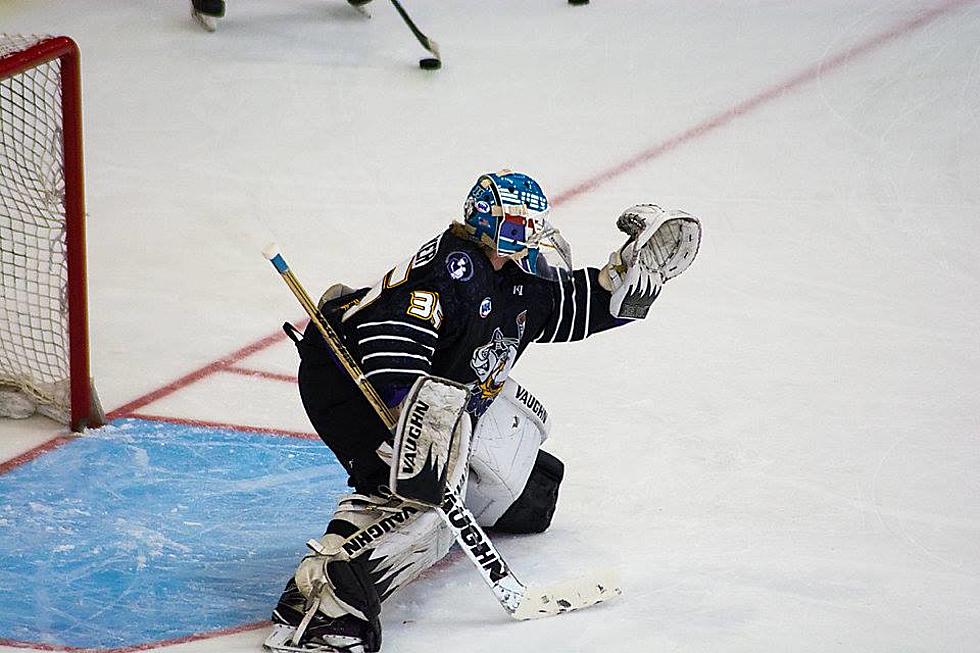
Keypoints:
pixel 33 267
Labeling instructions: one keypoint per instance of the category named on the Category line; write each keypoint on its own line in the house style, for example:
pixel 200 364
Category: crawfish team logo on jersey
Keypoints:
pixel 492 363
pixel 460 266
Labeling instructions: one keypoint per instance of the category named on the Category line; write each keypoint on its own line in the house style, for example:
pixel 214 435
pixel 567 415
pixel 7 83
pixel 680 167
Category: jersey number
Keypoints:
pixel 425 306
pixel 399 275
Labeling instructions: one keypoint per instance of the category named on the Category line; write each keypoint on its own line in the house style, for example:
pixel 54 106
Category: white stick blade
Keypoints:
pixel 548 601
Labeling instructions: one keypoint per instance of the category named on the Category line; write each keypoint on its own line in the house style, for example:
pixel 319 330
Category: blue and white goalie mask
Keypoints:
pixel 507 212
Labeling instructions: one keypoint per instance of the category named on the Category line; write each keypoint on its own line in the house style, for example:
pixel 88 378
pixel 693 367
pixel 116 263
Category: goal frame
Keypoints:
pixel 82 411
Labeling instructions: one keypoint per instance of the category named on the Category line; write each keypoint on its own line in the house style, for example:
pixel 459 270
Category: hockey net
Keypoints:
pixel 43 314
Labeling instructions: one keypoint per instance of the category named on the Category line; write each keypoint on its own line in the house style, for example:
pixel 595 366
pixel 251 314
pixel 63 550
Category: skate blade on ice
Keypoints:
pixel 548 601
pixel 209 23
pixel 280 640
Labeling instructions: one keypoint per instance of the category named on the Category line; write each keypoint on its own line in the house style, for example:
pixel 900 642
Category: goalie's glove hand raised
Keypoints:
pixel 661 245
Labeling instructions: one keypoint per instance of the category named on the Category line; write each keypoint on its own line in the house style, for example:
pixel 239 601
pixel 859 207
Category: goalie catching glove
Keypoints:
pixel 661 245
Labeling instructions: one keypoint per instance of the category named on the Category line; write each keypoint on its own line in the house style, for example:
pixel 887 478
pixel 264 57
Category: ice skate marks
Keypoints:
pixel 146 532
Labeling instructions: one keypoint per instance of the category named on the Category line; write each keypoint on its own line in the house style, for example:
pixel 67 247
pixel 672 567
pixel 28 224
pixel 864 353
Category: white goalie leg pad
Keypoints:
pixel 432 440
pixel 503 450
pixel 394 540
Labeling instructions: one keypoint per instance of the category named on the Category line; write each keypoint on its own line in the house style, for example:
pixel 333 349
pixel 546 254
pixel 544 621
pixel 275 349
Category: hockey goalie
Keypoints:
pixel 463 308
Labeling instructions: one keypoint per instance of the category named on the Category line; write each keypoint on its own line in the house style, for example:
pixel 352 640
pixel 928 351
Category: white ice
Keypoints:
pixel 783 457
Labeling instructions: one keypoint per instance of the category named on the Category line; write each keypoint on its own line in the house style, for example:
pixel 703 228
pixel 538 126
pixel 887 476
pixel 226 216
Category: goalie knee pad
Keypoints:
pixel 533 510
pixel 504 449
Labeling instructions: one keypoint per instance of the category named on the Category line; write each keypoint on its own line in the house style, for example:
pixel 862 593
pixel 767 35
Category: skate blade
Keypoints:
pixel 280 640
pixel 209 23
pixel 539 602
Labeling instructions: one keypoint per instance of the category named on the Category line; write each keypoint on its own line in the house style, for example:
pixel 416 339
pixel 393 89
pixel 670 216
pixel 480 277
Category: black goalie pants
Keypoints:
pixel 340 414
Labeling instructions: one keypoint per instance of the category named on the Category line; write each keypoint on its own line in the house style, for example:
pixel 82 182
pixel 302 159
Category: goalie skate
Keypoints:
pixel 280 640
pixel 207 13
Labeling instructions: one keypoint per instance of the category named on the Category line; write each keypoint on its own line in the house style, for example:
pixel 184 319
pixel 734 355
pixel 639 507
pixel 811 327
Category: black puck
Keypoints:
pixel 578 2
pixel 430 64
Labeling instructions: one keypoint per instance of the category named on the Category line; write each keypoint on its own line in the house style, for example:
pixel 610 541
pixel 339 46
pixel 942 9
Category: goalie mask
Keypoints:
pixel 507 212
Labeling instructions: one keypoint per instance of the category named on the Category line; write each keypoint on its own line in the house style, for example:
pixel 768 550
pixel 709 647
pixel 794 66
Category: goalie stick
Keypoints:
pixel 521 601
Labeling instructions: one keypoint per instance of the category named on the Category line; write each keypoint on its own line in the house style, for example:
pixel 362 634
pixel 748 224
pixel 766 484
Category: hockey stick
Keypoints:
pixel 519 600
pixel 427 43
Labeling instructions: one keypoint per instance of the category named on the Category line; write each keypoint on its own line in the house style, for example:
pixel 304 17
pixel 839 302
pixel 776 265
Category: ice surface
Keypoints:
pixel 142 532
pixel 781 457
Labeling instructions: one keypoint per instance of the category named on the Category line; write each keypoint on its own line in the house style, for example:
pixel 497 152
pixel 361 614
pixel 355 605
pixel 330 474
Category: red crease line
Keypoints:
pixel 233 630
pixel 246 428
pixel 37 451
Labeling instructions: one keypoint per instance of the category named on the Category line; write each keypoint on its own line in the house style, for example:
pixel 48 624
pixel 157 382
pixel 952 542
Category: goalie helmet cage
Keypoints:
pixel 43 305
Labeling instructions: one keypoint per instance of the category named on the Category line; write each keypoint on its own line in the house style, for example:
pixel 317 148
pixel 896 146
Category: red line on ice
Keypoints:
pixel 262 374
pixel 37 646
pixel 746 106
pixel 246 428
pixel 227 363
pixel 37 451
pixel 211 368
pixel 234 630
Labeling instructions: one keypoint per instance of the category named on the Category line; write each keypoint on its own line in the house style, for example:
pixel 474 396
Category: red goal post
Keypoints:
pixel 44 352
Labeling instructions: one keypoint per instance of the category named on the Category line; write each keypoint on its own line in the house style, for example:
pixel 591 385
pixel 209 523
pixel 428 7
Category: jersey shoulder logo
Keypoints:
pixel 460 266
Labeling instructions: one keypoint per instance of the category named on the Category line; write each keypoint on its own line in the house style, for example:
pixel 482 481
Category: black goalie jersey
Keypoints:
pixel 447 312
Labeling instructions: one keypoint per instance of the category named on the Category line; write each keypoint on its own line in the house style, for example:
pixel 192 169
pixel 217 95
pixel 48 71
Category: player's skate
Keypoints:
pixel 360 6
pixel 374 545
pixel 207 12
pixel 346 634
pixel 298 625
